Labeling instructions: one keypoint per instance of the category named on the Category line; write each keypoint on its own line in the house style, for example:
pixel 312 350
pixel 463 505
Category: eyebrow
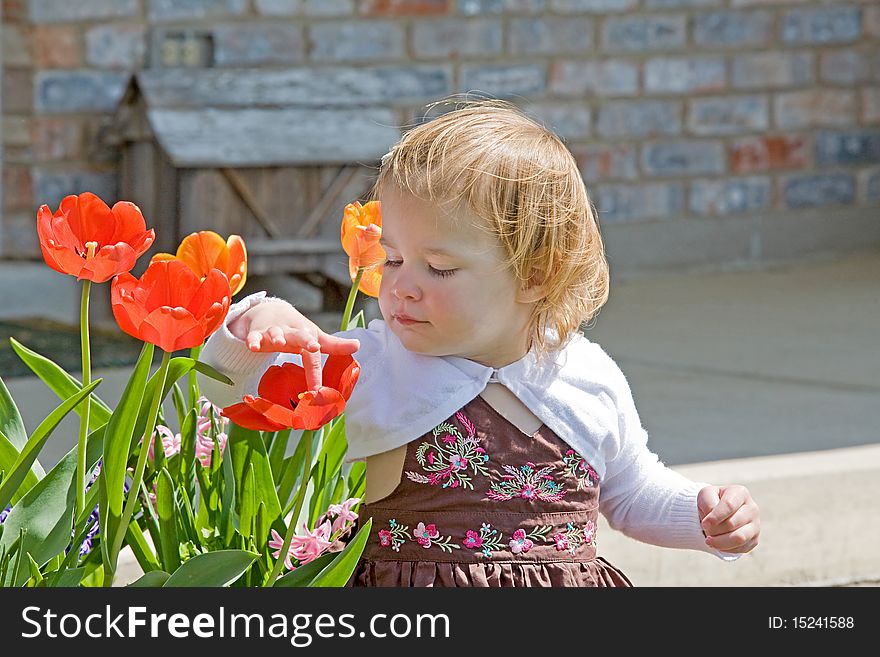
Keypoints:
pixel 430 249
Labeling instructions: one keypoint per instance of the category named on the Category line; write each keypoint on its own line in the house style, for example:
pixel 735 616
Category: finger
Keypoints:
pixel 254 340
pixel 731 499
pixel 330 344
pixel 741 517
pixel 735 541
pixel 311 361
pixel 276 335
pixel 299 340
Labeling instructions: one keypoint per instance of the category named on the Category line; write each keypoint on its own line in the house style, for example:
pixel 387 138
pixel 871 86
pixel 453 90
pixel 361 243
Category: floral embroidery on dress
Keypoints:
pixel 574 537
pixel 489 540
pixel 424 535
pixel 577 466
pixel 449 458
pixel 527 483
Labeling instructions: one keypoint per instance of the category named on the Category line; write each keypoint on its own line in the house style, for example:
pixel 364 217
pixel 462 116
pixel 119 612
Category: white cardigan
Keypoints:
pixel 579 392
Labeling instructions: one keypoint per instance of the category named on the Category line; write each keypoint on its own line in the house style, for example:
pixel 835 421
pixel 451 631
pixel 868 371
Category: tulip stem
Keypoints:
pixel 307 436
pixel 349 305
pixel 193 381
pixel 137 477
pixel 84 414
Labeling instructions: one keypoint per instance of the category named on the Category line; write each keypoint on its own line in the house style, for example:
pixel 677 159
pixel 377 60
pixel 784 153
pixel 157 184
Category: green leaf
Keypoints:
pixel 41 434
pixel 11 424
pixel 46 510
pixel 277 453
pixel 247 502
pixel 169 551
pixel 333 447
pixel 153 579
pixel 61 383
pixel 357 321
pixel 117 445
pixel 8 456
pixel 141 549
pixel 303 575
pixel 209 371
pixel 245 447
pixel 339 571
pixel 69 578
pixel 219 568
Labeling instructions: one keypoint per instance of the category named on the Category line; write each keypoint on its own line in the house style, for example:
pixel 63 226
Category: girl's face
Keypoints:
pixel 448 278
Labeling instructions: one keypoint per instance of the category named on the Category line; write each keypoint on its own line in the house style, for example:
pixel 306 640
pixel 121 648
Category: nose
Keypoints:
pixel 406 290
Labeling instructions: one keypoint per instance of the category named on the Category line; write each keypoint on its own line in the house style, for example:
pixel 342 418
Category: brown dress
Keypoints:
pixel 482 504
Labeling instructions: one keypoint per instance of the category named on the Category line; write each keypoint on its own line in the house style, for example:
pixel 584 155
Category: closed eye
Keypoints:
pixel 441 273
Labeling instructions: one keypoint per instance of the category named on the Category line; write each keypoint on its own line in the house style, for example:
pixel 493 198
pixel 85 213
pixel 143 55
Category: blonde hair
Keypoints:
pixel 521 180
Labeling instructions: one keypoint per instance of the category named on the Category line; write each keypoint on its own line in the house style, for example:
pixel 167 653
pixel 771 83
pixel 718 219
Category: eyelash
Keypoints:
pixel 440 273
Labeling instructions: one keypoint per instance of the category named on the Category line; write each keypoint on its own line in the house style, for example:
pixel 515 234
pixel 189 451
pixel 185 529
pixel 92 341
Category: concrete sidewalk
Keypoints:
pixel 765 378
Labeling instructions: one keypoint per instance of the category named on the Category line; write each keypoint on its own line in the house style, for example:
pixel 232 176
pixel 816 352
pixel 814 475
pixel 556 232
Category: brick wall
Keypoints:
pixel 702 110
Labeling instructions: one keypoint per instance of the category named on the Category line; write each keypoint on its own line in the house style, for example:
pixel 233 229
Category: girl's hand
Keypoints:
pixel 730 518
pixel 275 326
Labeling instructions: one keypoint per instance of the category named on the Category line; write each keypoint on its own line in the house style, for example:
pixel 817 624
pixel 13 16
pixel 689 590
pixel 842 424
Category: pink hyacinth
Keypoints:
pixel 276 543
pixel 311 546
pixel 342 514
pixel 170 442
pixel 205 447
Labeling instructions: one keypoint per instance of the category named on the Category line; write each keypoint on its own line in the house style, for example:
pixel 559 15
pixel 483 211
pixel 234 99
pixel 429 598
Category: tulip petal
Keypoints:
pixel 107 262
pixel 129 222
pixel 236 268
pixel 129 314
pixel 172 328
pixel 93 221
pixel 245 416
pixel 203 251
pixel 283 383
pixel 169 283
pixel 316 408
pixel 341 373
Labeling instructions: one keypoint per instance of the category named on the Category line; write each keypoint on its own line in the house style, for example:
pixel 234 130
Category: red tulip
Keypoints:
pixel 170 306
pixel 87 239
pixel 285 402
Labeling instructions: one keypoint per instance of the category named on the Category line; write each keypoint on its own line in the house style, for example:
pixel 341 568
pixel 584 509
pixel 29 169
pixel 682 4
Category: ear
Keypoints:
pixel 535 290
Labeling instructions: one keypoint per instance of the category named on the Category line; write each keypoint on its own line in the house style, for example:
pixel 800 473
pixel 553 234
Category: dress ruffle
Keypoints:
pixel 490 574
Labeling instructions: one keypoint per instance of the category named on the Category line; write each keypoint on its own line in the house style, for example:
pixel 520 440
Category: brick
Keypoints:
pixel 246 44
pixel 66 11
pixel 16 130
pixel 57 46
pixel 872 21
pixel 768 152
pixel 453 37
pixel 57 138
pixel 684 74
pixel 162 11
pixel 728 115
pixel 116 46
pixel 669 4
pixel 642 118
pixel 18 193
pixel 871 105
pixel 729 29
pixel 18 91
pixel 772 70
pixel 602 163
pixel 404 7
pixel 816 191
pixel 503 80
pixel 15 12
pixel 814 107
pixel 639 33
pixel 871 185
pixel 635 202
pixel 820 26
pixel 356 41
pixel 483 7
pixel 569 121
pixel 594 6
pixel 683 158
pixel 78 91
pixel 316 8
pixel 17 46
pixel 847 148
pixel 550 36
pixel 731 196
pixel 52 185
pixel 614 77
pixel 850 66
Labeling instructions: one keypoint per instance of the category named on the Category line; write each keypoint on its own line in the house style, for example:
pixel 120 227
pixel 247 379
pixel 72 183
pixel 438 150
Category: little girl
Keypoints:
pixel 493 431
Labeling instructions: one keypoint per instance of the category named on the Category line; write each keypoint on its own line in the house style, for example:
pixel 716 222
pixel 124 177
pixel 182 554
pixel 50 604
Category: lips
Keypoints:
pixel 406 319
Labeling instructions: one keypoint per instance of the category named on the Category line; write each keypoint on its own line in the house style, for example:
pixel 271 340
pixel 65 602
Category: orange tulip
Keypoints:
pixel 361 230
pixel 285 402
pixel 86 239
pixel 170 306
pixel 206 250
